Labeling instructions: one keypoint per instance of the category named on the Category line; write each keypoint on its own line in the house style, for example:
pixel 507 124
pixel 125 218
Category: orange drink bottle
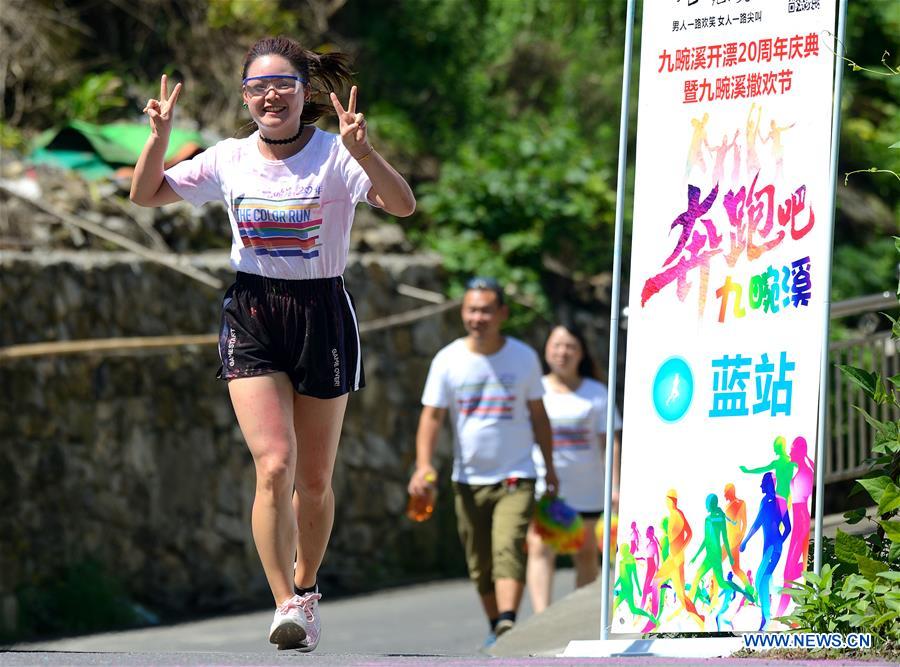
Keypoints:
pixel 420 508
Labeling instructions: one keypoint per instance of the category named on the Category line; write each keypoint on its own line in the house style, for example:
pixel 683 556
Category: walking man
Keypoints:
pixel 491 385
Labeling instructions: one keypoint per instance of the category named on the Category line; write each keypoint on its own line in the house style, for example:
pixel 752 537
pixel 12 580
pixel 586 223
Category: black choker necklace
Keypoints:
pixel 281 142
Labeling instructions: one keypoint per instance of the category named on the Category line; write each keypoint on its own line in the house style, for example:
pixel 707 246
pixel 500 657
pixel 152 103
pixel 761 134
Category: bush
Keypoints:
pixel 859 589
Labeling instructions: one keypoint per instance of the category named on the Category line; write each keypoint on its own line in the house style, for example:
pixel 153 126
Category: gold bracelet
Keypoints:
pixel 371 150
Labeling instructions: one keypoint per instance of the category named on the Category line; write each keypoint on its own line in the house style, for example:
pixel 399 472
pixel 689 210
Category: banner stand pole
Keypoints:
pixel 826 313
pixel 614 325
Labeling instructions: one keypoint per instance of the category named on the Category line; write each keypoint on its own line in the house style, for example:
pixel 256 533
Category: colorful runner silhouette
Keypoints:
pixel 743 600
pixel 698 142
pixel 770 518
pixel 651 586
pixel 719 153
pixel 715 541
pixel 664 542
pixel 774 135
pixel 679 534
pixel 751 135
pixel 801 489
pixel 635 538
pixel 736 528
pixel 783 468
pixel 628 582
pixel 727 596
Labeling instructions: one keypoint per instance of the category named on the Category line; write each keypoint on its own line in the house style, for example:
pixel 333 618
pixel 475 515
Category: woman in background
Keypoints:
pixel 575 402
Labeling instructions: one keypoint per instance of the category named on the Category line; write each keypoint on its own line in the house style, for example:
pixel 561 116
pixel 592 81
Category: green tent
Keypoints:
pixel 97 151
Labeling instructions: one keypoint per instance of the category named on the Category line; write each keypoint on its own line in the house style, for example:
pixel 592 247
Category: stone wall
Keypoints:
pixel 133 460
pixel 123 475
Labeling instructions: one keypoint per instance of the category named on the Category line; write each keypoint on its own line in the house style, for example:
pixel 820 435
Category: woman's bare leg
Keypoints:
pixel 264 406
pixel 539 571
pixel 317 424
pixel 587 559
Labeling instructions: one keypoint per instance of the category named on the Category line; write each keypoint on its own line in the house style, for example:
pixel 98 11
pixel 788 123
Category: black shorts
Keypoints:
pixel 304 328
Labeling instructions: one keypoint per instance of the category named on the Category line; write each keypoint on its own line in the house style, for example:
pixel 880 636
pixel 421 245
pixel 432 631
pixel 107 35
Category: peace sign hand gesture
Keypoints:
pixel 353 126
pixel 160 111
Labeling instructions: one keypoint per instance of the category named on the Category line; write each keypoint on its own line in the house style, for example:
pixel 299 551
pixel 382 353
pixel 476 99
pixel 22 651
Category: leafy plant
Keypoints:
pixel 267 16
pixel 98 98
pixel 11 138
pixel 860 589
pixel 512 199
pixel 891 71
pixel 818 606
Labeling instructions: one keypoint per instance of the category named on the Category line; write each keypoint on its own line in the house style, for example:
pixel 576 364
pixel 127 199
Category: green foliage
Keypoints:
pixel 430 64
pixel 513 102
pixel 869 208
pixel 874 135
pixel 397 131
pixel 266 16
pixel 98 98
pixel 538 192
pixel 11 138
pixel 859 593
pixel 872 100
pixel 858 590
pixel 865 268
pixel 80 599
pixel 817 605
pixel 450 87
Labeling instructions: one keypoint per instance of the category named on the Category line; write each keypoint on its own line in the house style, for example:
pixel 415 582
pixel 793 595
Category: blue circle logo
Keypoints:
pixel 673 389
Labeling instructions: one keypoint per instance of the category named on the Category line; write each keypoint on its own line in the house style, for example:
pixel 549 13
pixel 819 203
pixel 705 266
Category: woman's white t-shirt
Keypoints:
pixel 578 420
pixel 289 218
pixel 487 396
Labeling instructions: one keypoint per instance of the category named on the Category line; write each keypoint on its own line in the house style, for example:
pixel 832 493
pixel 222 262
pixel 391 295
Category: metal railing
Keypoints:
pixel 849 437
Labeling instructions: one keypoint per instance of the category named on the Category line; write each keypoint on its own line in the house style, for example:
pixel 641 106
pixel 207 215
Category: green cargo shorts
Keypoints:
pixel 492 521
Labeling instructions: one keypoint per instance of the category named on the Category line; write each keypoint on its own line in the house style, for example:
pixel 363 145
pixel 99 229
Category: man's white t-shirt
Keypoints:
pixel 487 398
pixel 578 420
pixel 289 218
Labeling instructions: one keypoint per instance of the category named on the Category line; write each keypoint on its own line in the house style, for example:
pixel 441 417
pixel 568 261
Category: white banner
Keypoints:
pixel 726 302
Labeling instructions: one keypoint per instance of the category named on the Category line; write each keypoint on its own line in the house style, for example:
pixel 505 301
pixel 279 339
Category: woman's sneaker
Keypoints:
pixel 309 603
pixel 289 629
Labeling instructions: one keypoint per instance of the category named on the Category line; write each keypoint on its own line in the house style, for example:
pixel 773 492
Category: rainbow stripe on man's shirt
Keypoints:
pixel 485 400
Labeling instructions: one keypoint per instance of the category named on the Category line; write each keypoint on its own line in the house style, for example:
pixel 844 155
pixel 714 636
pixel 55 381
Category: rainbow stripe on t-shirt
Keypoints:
pixel 570 433
pixel 485 400
pixel 279 227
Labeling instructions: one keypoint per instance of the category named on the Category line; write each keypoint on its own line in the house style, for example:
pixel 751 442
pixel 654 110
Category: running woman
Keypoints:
pixel 289 340
pixel 575 402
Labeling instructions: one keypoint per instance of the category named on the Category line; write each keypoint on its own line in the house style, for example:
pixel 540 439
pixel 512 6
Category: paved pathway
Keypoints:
pixel 440 619
pixel 434 624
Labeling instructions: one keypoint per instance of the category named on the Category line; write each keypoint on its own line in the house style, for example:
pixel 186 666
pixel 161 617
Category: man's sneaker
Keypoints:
pixel 309 603
pixel 289 629
pixel 504 625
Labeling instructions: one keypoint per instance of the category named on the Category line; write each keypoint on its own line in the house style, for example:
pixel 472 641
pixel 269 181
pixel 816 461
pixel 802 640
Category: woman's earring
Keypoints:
pixel 244 105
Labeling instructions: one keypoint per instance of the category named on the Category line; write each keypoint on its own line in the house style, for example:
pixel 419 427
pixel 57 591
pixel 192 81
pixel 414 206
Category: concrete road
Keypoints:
pixel 435 624
pixel 441 619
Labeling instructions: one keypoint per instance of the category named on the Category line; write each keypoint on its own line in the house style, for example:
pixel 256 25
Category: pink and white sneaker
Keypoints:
pixel 309 603
pixel 289 629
